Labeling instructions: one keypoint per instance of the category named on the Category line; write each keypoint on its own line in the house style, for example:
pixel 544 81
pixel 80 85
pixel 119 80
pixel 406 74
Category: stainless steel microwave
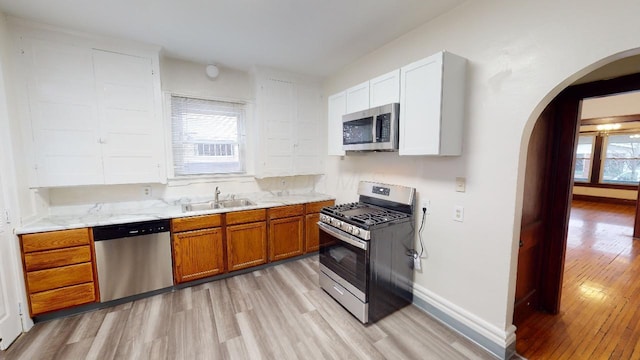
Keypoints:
pixel 375 129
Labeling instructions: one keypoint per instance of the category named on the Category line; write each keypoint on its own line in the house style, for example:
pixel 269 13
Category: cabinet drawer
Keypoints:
pixel 54 240
pixel 62 298
pixel 59 277
pixel 315 207
pixel 196 222
pixel 54 258
pixel 286 211
pixel 241 217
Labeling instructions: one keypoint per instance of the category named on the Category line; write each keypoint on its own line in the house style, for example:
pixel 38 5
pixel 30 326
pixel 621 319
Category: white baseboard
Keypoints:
pixel 499 342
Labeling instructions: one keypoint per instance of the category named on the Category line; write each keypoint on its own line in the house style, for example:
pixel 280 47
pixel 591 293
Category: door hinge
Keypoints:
pixel 20 308
pixel 6 216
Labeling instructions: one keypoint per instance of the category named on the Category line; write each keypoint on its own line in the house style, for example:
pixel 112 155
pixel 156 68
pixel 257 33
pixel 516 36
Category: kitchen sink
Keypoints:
pixel 235 203
pixel 211 205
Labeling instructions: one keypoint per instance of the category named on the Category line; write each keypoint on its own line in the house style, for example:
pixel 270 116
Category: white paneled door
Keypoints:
pixel 10 325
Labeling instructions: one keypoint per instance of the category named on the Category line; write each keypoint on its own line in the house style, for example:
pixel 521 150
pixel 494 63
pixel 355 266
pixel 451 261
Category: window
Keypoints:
pixel 584 156
pixel 206 136
pixel 621 159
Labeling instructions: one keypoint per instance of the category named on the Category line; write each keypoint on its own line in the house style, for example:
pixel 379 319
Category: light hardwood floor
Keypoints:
pixel 600 306
pixel 274 313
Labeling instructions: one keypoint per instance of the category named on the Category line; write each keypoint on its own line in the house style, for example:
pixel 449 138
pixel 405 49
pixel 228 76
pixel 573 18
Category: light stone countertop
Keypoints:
pixel 73 217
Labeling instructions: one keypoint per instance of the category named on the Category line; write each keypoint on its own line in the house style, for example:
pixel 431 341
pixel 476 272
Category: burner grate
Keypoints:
pixel 364 214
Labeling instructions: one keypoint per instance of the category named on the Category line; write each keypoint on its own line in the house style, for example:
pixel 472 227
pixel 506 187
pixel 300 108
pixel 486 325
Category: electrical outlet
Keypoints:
pixel 416 262
pixel 426 204
pixel 146 191
pixel 458 213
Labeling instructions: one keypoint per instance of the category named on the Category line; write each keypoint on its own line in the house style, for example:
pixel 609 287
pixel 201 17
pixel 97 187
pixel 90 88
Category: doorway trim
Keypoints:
pixel 564 138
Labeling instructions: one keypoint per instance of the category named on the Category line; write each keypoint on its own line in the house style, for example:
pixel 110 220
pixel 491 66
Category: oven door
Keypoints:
pixel 345 255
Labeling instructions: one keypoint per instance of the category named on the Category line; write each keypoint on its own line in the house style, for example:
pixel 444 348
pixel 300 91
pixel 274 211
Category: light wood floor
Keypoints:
pixel 600 306
pixel 275 313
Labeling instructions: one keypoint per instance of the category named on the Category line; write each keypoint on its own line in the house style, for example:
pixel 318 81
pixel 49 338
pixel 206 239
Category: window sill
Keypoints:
pixel 606 186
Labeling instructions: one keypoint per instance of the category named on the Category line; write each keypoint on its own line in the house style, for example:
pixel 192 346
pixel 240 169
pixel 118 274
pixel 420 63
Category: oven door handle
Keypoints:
pixel 360 244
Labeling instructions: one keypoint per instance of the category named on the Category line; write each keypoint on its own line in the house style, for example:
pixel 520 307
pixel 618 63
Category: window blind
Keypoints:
pixel 206 136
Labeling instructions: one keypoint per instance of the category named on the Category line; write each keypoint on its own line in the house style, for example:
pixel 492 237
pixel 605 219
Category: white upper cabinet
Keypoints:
pixel 337 106
pixel 288 114
pixel 93 115
pixel 432 105
pixel 61 90
pixel 131 137
pixel 358 97
pixel 385 89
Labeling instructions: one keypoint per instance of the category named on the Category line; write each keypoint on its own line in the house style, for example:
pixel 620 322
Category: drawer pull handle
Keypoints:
pixel 338 290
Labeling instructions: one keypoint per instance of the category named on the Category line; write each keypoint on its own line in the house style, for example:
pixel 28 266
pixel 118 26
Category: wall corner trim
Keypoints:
pixel 498 342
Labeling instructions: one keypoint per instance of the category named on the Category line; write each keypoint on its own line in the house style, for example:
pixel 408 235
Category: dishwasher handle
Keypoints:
pixel 118 231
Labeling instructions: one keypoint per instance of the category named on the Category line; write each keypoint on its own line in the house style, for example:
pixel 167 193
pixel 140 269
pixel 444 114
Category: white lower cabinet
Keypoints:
pixel 94 114
pixel 432 105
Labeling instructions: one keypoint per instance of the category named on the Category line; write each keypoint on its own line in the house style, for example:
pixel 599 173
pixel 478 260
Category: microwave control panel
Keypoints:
pixel 383 131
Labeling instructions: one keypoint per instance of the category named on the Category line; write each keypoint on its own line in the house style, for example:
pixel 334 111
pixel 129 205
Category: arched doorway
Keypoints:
pixel 548 187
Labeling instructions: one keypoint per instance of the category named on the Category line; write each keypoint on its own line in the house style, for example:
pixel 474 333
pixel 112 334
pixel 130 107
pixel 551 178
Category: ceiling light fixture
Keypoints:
pixel 212 71
pixel 604 129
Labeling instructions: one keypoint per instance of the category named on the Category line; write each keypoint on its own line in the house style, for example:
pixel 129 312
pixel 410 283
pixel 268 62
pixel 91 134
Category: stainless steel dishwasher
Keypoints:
pixel 133 258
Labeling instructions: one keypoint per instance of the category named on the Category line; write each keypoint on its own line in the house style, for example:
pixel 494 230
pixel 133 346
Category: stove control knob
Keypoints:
pixel 339 223
pixel 355 231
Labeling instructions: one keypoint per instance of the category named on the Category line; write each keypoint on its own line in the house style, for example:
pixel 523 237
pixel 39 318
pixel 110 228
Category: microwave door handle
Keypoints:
pixel 338 234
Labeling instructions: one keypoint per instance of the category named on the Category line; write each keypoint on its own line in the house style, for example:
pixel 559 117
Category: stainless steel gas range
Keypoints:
pixel 366 249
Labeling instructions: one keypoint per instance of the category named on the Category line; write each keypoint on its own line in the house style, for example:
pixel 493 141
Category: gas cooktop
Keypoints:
pixel 363 215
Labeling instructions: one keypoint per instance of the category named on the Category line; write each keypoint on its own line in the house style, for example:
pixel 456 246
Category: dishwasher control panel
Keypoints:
pixel 108 232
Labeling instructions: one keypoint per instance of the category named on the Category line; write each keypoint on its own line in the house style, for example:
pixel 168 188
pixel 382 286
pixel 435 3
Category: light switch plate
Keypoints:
pixel 461 184
pixel 458 213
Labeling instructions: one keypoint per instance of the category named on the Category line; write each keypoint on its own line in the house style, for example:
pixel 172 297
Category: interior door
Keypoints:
pixel 10 325
pixel 533 224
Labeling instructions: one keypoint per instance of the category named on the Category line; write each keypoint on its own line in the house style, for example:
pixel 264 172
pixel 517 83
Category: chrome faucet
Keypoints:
pixel 216 194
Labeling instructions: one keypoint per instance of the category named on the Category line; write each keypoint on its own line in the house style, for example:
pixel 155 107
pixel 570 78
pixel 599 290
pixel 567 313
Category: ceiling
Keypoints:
pixel 315 37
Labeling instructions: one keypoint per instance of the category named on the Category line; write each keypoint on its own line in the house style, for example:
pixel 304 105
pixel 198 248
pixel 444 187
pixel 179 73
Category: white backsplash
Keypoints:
pixel 177 191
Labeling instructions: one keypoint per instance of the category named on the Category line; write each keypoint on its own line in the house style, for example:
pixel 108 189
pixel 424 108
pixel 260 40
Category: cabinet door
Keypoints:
pixel 358 97
pixel 337 106
pixel 309 150
pixel 385 89
pixel 63 112
pixel 197 254
pixel 312 236
pixel 286 238
pixel 276 113
pixel 131 131
pixel 420 98
pixel 246 245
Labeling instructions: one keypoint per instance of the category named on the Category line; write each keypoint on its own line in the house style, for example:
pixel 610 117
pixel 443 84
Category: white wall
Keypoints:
pixel 188 78
pixel 521 54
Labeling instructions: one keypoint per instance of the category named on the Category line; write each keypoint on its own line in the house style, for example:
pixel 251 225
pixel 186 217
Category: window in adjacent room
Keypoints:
pixel 584 158
pixel 207 136
pixel 621 163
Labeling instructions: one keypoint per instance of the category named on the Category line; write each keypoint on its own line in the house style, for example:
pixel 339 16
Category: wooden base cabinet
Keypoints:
pixel 198 254
pixel 312 216
pixel 286 232
pixel 246 239
pixel 198 247
pixel 59 268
